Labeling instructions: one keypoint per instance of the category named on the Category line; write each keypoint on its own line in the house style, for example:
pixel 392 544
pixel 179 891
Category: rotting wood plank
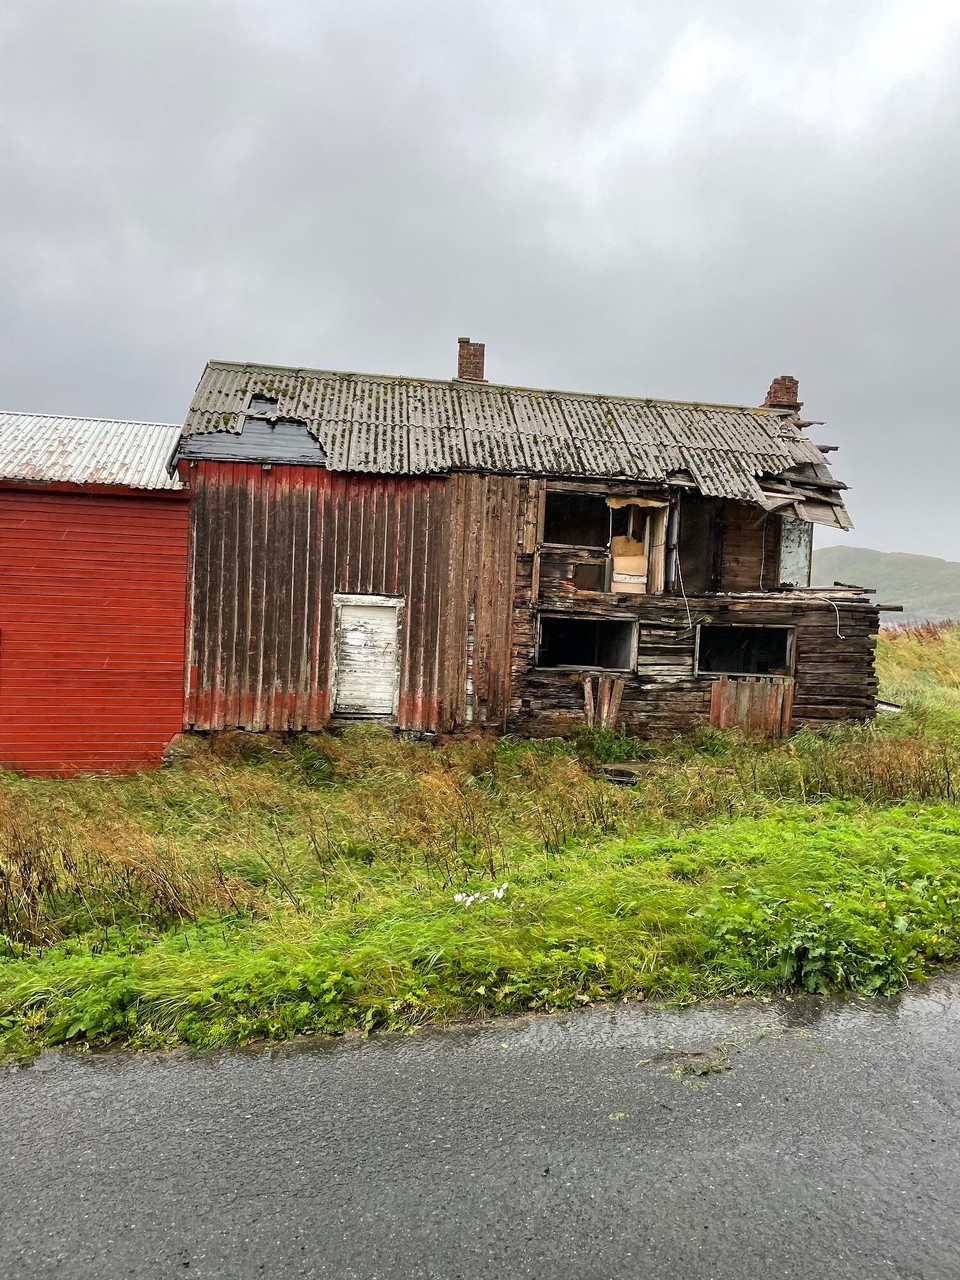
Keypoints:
pixel 299 614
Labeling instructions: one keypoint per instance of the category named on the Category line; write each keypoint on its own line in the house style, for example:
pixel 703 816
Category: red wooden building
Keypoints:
pixel 93 550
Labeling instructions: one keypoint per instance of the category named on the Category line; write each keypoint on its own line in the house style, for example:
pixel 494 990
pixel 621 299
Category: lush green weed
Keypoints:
pixel 818 898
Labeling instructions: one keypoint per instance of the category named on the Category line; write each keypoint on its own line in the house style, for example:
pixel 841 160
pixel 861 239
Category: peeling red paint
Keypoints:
pixel 272 548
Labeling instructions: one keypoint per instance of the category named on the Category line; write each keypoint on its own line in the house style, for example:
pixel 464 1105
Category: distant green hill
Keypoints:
pixel 927 587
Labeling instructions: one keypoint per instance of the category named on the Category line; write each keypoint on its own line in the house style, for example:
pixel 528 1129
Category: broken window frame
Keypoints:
pixel 698 547
pixel 791 651
pixel 551 615
pixel 564 492
pixel 656 515
pixel 795 560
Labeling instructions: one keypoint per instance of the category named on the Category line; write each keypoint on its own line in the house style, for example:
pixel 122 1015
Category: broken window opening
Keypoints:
pixel 595 644
pixel 796 550
pixel 630 550
pixel 744 650
pixel 263 406
pixel 639 556
pixel 576 519
pixel 632 530
pixel 699 543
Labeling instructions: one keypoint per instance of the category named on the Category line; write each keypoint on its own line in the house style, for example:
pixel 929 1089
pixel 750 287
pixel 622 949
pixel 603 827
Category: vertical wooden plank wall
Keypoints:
pixel 271 546
pixel 751 548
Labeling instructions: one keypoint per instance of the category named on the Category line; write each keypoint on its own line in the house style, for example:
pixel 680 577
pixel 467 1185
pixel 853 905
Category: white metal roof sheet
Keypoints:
pixel 55 449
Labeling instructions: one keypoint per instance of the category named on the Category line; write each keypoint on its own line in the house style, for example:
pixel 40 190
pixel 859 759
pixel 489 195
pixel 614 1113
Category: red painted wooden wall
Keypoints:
pixel 92 602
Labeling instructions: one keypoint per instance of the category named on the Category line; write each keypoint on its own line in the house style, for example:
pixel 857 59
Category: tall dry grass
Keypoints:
pixel 64 874
pixel 920 665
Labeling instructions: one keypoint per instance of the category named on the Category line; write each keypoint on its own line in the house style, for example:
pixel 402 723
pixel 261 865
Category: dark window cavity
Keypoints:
pixel 600 644
pixel 576 519
pixel 699 543
pixel 263 406
pixel 745 651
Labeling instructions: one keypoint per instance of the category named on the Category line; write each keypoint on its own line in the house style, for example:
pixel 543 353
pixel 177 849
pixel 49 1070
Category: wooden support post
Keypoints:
pixel 616 693
pixel 588 711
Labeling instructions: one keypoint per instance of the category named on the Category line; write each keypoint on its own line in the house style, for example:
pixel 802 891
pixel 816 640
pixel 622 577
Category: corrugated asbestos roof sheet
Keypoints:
pixel 45 448
pixel 412 426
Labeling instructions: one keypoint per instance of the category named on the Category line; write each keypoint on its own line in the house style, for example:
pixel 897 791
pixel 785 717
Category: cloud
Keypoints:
pixel 676 200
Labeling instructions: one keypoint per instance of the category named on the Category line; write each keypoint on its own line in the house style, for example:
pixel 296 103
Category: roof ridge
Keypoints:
pixel 84 417
pixel 762 410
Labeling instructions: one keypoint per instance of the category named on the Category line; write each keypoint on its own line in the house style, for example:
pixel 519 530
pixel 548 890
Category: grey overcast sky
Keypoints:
pixel 676 198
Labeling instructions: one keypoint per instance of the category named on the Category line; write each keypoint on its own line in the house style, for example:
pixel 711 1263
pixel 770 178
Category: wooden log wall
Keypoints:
pixel 834 677
pixel 270 547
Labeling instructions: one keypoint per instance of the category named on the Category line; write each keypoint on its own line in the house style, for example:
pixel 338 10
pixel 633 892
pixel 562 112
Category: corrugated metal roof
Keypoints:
pixel 52 449
pixel 413 426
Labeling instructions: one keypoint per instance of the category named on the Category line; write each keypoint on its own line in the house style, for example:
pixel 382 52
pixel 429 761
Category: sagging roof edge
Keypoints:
pixel 813 511
pixel 397 425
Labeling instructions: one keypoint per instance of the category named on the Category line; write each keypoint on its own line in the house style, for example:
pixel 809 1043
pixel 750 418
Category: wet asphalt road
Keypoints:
pixel 580 1146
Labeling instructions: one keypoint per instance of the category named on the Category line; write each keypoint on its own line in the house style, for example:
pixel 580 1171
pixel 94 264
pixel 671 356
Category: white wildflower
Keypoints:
pixel 468 899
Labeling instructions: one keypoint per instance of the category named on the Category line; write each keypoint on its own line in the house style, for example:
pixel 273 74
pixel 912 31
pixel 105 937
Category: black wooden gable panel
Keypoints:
pixel 261 440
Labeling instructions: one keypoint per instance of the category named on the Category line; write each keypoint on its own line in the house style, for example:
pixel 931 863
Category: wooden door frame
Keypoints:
pixel 396 603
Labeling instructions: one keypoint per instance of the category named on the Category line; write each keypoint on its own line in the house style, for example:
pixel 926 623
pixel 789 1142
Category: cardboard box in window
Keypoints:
pixel 629 566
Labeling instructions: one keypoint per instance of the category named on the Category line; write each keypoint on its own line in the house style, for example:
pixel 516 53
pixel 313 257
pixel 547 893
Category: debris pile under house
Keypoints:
pixel 440 554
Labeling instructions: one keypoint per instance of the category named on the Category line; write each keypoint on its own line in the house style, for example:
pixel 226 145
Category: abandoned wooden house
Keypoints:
pixel 440 554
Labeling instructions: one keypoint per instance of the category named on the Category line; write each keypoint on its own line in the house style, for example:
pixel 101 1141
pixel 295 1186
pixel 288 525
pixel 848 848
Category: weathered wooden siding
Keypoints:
pixel 272 546
pixel 834 678
pixel 750 548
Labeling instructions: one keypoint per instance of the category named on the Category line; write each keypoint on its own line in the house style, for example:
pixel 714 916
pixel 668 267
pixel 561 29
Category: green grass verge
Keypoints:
pixel 816 899
pixel 266 889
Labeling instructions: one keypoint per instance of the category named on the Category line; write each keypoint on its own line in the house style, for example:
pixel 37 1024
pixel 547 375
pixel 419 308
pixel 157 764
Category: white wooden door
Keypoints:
pixel 366 656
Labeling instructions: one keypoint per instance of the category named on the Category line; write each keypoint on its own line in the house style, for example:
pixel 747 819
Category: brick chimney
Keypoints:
pixel 470 360
pixel 784 393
